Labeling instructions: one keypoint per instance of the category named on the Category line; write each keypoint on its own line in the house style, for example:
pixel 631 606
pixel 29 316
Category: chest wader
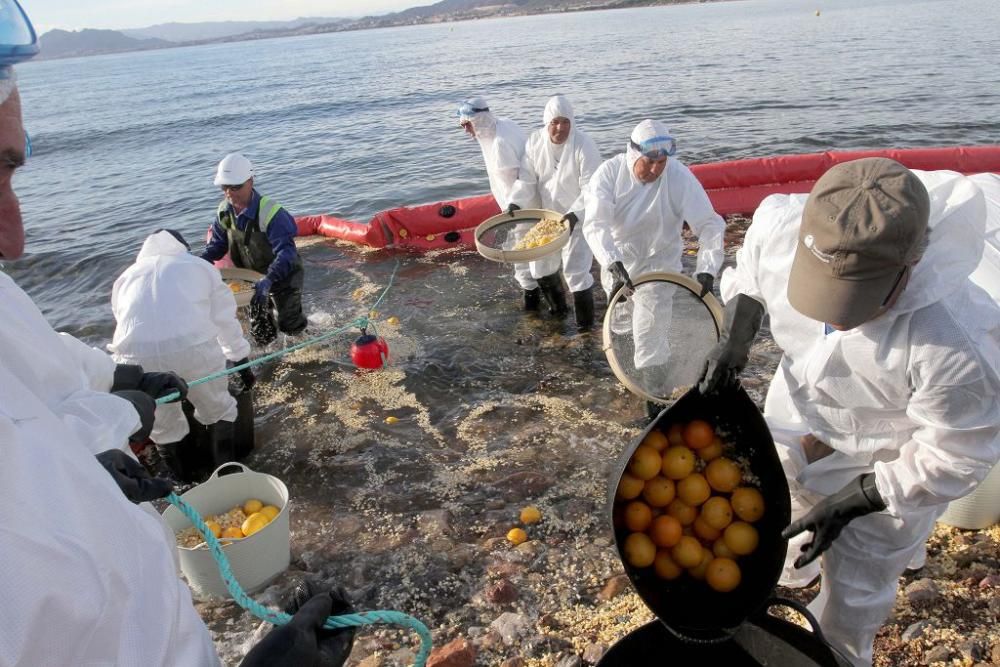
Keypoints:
pixel 250 248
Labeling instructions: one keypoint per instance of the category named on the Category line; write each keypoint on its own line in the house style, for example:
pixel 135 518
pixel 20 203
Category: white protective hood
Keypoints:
pixel 169 301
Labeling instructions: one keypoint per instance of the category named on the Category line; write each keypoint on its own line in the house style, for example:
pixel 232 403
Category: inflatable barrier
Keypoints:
pixel 735 187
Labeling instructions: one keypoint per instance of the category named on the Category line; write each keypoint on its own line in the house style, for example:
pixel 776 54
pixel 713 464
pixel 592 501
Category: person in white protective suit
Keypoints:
pixel 502 142
pixel 636 206
pixel 88 577
pixel 885 404
pixel 559 160
pixel 174 312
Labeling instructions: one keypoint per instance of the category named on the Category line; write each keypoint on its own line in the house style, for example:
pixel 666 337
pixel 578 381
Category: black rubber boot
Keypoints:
pixel 552 287
pixel 222 443
pixel 532 299
pixel 583 305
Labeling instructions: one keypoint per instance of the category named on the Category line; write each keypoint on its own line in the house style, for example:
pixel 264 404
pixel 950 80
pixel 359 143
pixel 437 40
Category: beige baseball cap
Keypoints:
pixel 863 223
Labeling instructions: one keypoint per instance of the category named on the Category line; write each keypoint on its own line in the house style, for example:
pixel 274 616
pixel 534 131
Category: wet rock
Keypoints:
pixel 990 581
pixel 916 630
pixel 995 653
pixel 548 621
pixel 460 556
pixel 575 509
pixel 614 586
pixel 489 641
pixel 501 592
pixel 922 590
pixel 371 661
pixel 972 650
pixel 593 653
pixel 511 627
pixel 514 662
pixel 523 485
pixel 937 654
pixel 505 568
pixel 458 653
pixel 434 522
pixel 569 661
pixel 994 607
pixel 495 543
pixel 532 548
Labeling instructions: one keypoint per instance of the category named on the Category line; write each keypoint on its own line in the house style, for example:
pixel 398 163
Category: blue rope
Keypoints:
pixel 361 323
pixel 280 617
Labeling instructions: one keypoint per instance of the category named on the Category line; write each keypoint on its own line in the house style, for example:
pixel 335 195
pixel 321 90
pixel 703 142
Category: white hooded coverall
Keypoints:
pixel 88 577
pixel 913 395
pixel 555 177
pixel 174 313
pixel 639 224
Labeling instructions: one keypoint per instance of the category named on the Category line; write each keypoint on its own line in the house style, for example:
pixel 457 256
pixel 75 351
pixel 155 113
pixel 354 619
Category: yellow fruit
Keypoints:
pixel 656 440
pixel 639 550
pixel 253 523
pixel 665 566
pixel 235 287
pixel 637 516
pixel 699 570
pixel 530 515
pixel 658 491
pixel 723 475
pixel 712 452
pixel 629 487
pixel 645 463
pixel 723 574
pixel 694 489
pixel 517 536
pixel 252 506
pixel 391 420
pixel 270 511
pixel 678 462
pixel 665 531
pixel 688 552
pixel 748 503
pixel 393 320
pixel 717 513
pixel 741 538
pixel 214 527
pixel 698 434
pixel 232 531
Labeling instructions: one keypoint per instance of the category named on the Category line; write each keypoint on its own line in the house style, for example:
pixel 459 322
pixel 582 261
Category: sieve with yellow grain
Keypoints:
pixel 522 236
pixel 241 282
pixel 239 522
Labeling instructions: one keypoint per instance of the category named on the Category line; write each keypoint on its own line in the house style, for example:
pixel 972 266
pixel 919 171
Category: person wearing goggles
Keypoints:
pixel 558 162
pixel 637 205
pixel 89 574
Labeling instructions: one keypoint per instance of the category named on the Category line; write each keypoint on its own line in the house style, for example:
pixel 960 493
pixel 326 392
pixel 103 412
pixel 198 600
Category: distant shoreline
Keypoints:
pixel 395 20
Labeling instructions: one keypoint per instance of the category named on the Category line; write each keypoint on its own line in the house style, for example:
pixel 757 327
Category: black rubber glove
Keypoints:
pixel 145 406
pixel 571 219
pixel 246 375
pixel 707 281
pixel 511 208
pixel 725 361
pixel 621 279
pixel 162 384
pixel 132 478
pixel 830 515
pixel 303 642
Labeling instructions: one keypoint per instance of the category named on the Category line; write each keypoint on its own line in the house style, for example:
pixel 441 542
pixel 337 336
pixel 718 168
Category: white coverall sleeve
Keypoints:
pixel 957 440
pixel 97 367
pixel 600 216
pixel 507 167
pixel 696 208
pixel 524 192
pixel 742 278
pixel 589 160
pixel 230 334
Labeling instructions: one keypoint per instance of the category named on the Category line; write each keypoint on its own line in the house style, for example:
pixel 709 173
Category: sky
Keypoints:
pixel 119 14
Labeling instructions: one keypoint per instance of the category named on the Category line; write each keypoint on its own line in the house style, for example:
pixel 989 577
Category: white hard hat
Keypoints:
pixel 234 169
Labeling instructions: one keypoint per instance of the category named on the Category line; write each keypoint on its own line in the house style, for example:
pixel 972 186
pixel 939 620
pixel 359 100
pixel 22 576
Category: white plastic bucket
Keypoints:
pixel 979 509
pixel 254 560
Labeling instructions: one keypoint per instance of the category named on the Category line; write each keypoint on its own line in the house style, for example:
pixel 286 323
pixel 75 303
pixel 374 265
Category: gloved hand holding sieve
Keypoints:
pixel 522 235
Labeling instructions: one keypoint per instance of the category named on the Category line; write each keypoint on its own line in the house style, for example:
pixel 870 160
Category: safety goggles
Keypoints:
pixel 466 112
pixel 18 41
pixel 226 187
pixel 655 148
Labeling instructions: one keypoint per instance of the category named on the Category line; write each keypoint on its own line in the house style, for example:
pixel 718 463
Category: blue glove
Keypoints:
pixel 261 291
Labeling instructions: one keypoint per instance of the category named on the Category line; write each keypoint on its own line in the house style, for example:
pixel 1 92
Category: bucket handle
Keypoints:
pixel 215 474
pixel 799 607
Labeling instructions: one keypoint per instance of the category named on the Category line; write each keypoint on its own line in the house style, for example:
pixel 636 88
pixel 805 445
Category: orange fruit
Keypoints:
pixel 270 511
pixel 629 487
pixel 252 506
pixel 665 531
pixel 639 550
pixel 232 531
pixel 723 474
pixel 678 462
pixel 214 527
pixel 665 566
pixel 656 440
pixel 675 435
pixel 720 549
pixel 637 516
pixel 681 511
pixel 530 515
pixel 645 463
pixel 748 503
pixel 723 574
pixel 717 513
pixel 741 538
pixel 517 536
pixel 699 570
pixel 687 552
pixel 713 451
pixel 658 491
pixel 694 489
pixel 698 434
pixel 705 531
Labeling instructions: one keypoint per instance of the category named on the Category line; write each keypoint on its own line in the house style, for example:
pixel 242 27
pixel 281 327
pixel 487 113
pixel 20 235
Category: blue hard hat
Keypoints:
pixel 18 41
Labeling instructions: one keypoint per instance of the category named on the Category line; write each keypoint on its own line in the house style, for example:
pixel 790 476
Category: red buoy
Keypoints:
pixel 369 352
